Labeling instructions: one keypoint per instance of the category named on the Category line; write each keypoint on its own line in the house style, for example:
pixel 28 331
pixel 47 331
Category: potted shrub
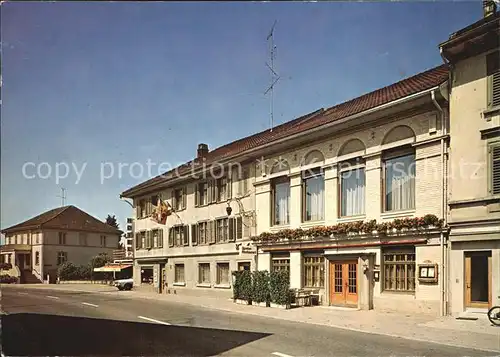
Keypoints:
pixel 260 291
pixel 279 285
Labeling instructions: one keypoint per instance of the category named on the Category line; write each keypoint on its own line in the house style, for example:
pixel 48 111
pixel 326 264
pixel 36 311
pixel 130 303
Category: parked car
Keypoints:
pixel 124 284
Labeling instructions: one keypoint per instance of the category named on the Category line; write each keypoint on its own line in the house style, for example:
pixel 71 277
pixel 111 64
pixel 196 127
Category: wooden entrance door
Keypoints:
pixel 344 283
pixel 478 279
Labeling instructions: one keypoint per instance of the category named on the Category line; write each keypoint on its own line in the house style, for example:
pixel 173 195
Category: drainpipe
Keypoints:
pixel 443 208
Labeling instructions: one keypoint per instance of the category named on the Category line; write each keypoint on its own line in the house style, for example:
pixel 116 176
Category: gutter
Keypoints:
pixel 443 209
pixel 294 136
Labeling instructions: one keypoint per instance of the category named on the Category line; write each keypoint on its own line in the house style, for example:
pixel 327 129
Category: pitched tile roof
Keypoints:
pixel 412 85
pixel 67 217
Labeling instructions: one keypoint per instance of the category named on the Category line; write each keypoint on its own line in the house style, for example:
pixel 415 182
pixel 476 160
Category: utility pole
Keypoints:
pixel 274 76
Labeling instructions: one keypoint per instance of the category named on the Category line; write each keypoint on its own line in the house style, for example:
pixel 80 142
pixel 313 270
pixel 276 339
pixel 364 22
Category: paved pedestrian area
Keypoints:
pixel 478 334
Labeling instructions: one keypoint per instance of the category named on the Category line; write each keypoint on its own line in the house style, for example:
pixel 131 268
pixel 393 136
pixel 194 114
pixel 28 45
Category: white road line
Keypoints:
pixel 89 304
pixel 23 293
pixel 153 320
pixel 52 297
pixel 281 354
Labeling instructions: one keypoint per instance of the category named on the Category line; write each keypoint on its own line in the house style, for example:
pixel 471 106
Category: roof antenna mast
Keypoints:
pixel 274 76
pixel 63 196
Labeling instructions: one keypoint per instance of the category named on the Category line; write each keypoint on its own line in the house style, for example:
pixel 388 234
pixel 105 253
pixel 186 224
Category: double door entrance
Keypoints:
pixel 344 283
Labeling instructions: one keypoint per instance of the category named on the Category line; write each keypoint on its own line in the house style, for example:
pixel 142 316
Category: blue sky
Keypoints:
pixel 126 82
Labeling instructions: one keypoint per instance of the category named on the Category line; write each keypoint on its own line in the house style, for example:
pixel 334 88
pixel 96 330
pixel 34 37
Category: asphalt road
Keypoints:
pixel 61 323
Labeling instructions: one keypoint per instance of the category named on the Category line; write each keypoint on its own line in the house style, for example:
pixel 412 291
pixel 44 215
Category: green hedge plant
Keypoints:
pixel 237 285
pixel 279 285
pixel 246 285
pixel 261 287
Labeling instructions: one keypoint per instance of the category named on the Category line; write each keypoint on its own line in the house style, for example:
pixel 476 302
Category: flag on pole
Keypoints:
pixel 161 212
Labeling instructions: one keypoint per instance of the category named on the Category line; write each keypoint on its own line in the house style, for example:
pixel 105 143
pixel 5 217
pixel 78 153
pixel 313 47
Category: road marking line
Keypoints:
pixel 281 354
pixel 52 297
pixel 153 320
pixel 23 293
pixel 89 304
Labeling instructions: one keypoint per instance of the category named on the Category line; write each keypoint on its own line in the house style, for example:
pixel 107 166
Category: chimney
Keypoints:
pixel 489 8
pixel 202 151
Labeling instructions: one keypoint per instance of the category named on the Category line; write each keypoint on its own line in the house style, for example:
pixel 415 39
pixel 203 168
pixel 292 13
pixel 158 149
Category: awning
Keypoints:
pixel 112 268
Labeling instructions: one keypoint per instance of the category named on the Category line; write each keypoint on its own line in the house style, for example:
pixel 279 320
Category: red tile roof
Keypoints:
pixel 412 85
pixel 65 218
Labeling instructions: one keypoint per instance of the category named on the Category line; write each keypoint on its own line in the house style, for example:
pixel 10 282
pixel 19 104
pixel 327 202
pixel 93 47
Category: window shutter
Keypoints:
pixel 171 237
pixel 174 200
pixel 186 234
pixel 493 72
pixel 239 227
pixel 232 230
pixel 137 241
pixel 211 230
pixel 150 240
pixel 216 186
pixel 210 187
pixel 229 188
pixel 495 170
pixel 160 238
pixel 146 243
pixel 196 195
pixel 194 234
pixel 184 197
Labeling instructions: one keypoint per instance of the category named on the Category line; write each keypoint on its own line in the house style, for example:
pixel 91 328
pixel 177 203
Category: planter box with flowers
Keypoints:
pixel 353 229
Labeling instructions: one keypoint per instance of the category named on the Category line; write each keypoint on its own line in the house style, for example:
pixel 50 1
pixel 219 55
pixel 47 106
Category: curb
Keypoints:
pixel 153 297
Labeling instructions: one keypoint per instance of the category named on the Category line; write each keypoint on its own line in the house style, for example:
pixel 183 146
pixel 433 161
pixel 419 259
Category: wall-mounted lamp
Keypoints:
pixel 228 209
pixel 376 275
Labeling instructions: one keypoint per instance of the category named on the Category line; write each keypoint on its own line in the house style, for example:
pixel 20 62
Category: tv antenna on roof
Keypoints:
pixel 63 196
pixel 274 76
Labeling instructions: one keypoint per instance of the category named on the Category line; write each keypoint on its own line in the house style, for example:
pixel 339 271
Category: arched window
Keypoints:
pixel 351 146
pixel 312 157
pixel 352 180
pixel 398 133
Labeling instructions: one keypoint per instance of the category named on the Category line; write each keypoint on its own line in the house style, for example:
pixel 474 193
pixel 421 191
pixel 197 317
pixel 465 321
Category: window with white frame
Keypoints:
pixel 352 189
pixel 178 236
pixel 222 230
pixel 201 194
pixel 280 261
pixel 222 186
pixel 179 273
pixel 103 241
pixel 204 273
pixel 313 195
pixel 202 237
pixel 399 185
pixel 82 237
pixel 62 238
pixel 281 201
pixel 314 271
pixel 179 199
pixel 223 273
pixel 399 268
pixel 62 257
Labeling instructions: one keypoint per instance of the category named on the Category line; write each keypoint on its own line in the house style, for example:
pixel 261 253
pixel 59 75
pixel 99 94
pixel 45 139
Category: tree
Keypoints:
pixel 111 220
pixel 100 260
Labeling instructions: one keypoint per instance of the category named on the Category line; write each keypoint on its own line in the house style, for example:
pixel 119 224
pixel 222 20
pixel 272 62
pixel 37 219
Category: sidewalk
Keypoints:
pixel 479 334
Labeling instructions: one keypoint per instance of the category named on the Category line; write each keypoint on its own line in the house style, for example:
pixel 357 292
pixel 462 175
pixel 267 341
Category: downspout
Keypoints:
pixel 443 209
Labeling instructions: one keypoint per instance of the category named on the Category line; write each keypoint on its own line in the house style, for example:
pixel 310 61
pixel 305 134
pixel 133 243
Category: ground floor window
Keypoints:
pixel 243 265
pixel 223 273
pixel 179 273
pixel 204 273
pixel 280 262
pixel 37 258
pixel 314 271
pixel 399 269
pixel 62 257
pixel 147 275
